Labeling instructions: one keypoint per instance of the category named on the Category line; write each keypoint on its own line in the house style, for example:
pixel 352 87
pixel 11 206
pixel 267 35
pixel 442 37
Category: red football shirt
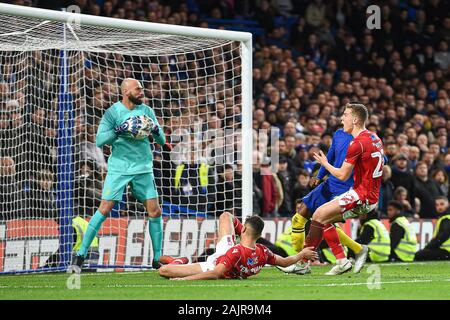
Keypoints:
pixel 242 262
pixel 366 153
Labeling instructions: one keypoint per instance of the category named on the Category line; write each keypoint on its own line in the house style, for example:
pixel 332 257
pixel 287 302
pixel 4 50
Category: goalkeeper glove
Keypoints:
pixel 130 125
pixel 153 127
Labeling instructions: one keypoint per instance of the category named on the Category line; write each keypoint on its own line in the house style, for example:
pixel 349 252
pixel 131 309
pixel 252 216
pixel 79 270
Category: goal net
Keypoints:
pixel 59 73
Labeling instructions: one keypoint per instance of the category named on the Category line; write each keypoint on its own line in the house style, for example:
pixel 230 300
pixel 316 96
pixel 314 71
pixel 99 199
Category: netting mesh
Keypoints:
pixel 194 87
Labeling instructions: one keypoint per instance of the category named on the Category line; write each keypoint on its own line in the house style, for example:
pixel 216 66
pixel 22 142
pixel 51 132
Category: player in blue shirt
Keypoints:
pixel 322 193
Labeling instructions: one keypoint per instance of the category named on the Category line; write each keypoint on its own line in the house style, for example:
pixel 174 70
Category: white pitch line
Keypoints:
pixel 28 287
pixel 393 264
pixel 240 284
pixel 270 285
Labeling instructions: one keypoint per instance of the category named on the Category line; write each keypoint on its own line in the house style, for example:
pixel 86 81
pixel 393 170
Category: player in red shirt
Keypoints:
pixel 365 156
pixel 234 261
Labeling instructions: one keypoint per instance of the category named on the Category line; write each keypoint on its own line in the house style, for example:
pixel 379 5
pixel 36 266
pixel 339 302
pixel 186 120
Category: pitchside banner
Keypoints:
pixel 26 244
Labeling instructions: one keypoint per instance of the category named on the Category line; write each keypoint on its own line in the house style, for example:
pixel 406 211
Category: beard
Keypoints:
pixel 135 100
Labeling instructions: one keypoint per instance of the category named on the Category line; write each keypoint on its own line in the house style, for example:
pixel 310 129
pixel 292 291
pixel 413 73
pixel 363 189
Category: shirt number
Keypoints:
pixel 377 172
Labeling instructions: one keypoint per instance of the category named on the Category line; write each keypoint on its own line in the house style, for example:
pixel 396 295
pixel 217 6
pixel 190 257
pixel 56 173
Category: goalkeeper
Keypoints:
pixel 125 126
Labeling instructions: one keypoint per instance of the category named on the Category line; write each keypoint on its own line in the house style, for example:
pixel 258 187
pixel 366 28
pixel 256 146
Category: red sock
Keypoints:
pixel 331 236
pixel 315 235
pixel 237 226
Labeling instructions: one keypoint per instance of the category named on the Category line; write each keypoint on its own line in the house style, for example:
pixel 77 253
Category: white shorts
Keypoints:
pixel 352 206
pixel 222 247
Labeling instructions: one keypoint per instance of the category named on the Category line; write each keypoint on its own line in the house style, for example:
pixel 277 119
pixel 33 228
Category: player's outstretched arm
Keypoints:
pixel 342 173
pixel 307 253
pixel 215 274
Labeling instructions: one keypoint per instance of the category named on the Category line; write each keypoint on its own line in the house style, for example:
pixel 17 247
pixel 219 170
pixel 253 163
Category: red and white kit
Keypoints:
pixel 241 262
pixel 366 153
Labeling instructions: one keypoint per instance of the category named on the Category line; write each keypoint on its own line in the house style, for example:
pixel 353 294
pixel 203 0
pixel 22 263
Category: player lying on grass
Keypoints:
pixel 231 261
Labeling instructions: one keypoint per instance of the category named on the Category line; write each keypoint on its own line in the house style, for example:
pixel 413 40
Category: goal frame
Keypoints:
pixel 65 127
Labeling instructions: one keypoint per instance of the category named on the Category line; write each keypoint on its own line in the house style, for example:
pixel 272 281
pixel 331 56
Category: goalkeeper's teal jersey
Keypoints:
pixel 128 155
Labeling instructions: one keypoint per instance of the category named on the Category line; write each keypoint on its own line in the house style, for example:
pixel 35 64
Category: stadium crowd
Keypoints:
pixel 312 58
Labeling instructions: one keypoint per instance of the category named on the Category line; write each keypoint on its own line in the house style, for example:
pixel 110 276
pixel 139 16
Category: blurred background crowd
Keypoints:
pixel 310 58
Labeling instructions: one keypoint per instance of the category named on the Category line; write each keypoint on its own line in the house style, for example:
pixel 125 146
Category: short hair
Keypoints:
pixel 303 172
pixel 421 163
pixel 400 189
pixel 256 224
pixel 441 198
pixel 359 110
pixel 396 204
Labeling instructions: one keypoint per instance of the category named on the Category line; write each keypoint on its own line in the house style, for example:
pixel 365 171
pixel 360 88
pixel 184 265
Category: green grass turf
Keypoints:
pixel 398 281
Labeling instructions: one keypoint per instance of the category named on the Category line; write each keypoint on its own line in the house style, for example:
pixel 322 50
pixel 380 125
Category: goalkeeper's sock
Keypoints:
pixel 237 226
pixel 298 232
pixel 92 229
pixel 156 232
pixel 348 242
pixel 331 236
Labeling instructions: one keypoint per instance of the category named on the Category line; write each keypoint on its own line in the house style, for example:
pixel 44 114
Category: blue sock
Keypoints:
pixel 156 232
pixel 94 225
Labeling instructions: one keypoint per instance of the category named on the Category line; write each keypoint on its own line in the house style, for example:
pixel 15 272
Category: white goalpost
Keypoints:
pixel 59 72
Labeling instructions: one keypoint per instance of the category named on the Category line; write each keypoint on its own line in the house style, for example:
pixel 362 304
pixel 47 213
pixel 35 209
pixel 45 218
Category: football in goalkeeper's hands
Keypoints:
pixel 144 128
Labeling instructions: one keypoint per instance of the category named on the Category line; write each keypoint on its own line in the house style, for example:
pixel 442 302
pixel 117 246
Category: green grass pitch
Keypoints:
pixel 391 281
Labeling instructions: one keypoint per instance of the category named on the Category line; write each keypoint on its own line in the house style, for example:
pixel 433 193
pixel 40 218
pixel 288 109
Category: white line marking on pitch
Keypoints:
pixel 266 285
pixel 29 287
pixel 229 285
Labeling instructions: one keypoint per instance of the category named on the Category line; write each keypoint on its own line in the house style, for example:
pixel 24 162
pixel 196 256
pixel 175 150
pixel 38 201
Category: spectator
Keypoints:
pixel 264 178
pixel 386 190
pixel 374 234
pixel 447 163
pixel 401 176
pixel 310 164
pixel 11 195
pixel 426 190
pixel 88 188
pixel 41 196
pixel 401 196
pixel 439 246
pixel 228 188
pixel 413 156
pixel 89 150
pixel 264 14
pixel 442 56
pixel 257 185
pixel 441 178
pixel 192 183
pixel 301 187
pixel 286 178
pixel 403 239
pixel 315 13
